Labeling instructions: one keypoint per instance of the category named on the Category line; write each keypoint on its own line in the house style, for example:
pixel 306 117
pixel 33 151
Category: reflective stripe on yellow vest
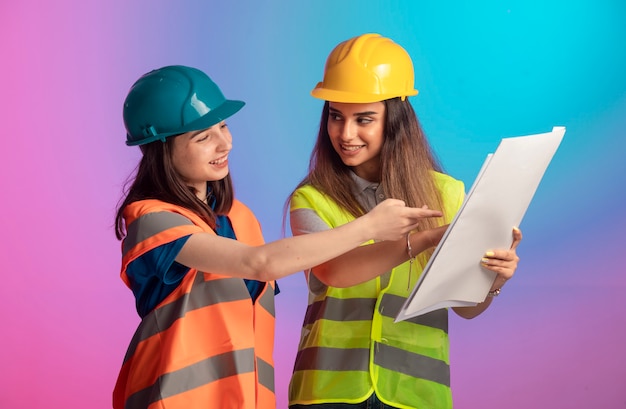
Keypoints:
pixel 206 344
pixel 350 345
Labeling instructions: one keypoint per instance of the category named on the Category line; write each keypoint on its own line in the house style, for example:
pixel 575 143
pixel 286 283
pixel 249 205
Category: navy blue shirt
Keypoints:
pixel 154 275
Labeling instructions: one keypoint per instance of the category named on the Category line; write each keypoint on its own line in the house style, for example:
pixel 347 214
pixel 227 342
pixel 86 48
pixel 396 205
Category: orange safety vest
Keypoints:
pixel 206 344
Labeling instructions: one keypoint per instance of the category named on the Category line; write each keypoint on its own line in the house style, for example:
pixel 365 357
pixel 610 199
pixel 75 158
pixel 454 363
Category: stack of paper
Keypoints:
pixel 495 204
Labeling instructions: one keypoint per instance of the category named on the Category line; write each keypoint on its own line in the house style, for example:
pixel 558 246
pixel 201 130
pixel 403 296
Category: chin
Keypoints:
pixel 219 176
pixel 351 162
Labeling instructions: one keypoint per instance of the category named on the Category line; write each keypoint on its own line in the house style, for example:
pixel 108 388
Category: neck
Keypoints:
pixel 201 192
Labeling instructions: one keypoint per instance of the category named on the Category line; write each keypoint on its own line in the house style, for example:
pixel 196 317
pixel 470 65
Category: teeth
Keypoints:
pixel 351 148
pixel 218 162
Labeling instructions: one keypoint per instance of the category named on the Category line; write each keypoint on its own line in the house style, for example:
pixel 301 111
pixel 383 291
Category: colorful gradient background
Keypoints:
pixel 485 70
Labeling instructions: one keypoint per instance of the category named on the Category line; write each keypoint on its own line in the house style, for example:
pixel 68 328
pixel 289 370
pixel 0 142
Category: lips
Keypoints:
pixel 350 150
pixel 219 162
pixel 352 147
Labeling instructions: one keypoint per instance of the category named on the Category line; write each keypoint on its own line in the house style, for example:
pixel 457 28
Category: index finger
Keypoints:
pixel 425 212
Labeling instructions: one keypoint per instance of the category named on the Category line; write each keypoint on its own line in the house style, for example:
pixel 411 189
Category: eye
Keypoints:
pixel 364 120
pixel 203 137
pixel 223 125
pixel 334 116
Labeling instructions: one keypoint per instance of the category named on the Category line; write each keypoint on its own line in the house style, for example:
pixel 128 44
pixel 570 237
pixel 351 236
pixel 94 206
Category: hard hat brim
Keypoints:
pixel 356 98
pixel 225 110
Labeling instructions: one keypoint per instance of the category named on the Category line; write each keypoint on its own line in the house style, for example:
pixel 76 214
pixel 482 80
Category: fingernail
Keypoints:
pixel 490 253
pixel 484 260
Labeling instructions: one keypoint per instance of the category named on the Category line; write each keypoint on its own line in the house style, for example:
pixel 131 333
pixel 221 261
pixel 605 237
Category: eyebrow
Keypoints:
pixel 194 134
pixel 364 113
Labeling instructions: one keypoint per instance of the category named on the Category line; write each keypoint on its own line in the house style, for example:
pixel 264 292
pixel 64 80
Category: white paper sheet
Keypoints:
pixel 496 202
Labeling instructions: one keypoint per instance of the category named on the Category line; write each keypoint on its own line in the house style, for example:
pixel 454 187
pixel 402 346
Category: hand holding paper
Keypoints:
pixel 495 204
pixel 503 262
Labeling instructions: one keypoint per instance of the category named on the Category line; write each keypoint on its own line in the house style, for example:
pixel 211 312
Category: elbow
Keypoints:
pixel 261 267
pixel 265 275
pixel 328 278
pixel 467 313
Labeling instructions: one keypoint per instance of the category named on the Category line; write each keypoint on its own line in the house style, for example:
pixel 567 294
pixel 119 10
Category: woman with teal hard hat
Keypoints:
pixel 195 259
pixel 370 146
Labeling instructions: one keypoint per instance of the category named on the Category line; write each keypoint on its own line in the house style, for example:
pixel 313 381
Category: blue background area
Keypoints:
pixel 484 70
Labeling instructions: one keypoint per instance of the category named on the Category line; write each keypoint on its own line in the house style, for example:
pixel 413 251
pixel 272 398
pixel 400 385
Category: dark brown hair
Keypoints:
pixel 156 178
pixel 406 164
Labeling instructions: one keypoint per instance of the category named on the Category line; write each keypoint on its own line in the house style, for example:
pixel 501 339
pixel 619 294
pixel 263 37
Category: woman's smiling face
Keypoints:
pixel 202 156
pixel 356 133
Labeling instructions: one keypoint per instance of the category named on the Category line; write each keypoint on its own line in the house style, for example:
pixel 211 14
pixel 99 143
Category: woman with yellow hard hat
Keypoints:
pixel 195 258
pixel 370 147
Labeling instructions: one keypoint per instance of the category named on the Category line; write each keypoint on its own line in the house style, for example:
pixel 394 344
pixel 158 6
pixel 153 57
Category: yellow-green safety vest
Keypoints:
pixel 350 345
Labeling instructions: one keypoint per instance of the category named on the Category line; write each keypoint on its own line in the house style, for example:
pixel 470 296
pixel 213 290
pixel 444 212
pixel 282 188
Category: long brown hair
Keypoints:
pixel 156 178
pixel 406 164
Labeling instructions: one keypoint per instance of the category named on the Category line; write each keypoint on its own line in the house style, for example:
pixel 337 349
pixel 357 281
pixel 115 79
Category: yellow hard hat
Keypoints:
pixel 367 68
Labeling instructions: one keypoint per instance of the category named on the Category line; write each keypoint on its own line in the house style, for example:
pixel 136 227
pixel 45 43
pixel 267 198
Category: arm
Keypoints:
pixel 367 262
pixel 390 220
pixel 503 263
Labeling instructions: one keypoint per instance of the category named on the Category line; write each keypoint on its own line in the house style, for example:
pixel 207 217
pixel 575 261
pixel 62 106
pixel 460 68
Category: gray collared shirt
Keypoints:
pixel 369 194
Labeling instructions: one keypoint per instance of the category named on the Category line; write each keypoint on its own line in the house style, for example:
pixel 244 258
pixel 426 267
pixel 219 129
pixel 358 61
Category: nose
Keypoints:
pixel 347 131
pixel 225 143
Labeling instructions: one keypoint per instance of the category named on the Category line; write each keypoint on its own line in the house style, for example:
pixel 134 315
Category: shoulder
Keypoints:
pixel 152 212
pixel 143 207
pixel 452 194
pixel 239 210
pixel 447 184
pixel 310 198
pixel 152 223
pixel 239 207
pixel 307 196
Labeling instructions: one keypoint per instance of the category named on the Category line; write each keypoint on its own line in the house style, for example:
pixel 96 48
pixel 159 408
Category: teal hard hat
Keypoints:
pixel 173 100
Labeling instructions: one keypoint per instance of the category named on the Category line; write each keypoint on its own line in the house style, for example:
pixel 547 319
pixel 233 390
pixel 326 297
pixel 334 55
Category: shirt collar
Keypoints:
pixel 361 185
